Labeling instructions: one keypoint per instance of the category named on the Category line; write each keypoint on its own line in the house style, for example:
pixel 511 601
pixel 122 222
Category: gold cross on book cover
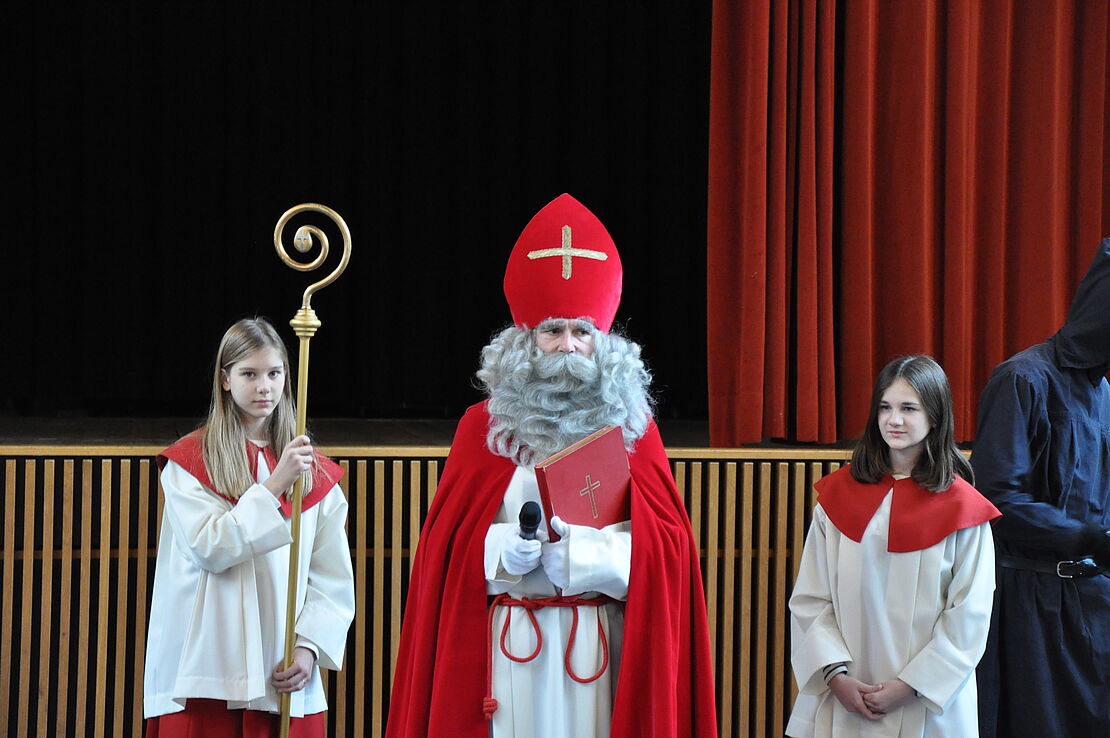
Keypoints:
pixel 588 482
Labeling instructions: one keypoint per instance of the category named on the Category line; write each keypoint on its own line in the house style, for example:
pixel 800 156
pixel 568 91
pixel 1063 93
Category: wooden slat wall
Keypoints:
pixel 78 541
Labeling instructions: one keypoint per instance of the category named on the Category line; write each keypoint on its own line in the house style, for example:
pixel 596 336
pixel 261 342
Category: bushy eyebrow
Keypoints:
pixel 578 323
pixel 551 324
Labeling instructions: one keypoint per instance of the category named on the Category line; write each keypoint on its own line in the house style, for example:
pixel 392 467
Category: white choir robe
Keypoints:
pixel 538 699
pixel 217 618
pixel 921 616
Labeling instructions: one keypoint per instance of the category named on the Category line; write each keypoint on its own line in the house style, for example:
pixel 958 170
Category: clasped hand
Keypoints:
pixel 870 701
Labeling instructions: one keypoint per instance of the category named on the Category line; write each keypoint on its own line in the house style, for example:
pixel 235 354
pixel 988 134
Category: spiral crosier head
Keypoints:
pixel 302 242
pixel 304 325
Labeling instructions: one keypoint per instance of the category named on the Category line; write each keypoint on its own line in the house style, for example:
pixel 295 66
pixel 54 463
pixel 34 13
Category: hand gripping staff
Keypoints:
pixel 304 325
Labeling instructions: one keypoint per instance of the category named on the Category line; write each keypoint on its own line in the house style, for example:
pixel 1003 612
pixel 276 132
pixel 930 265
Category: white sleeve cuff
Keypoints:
pixel 303 642
pixel 492 559
pixel 600 560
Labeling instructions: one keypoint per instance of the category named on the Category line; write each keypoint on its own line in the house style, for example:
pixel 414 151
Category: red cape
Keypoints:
pixel 189 455
pixel 665 686
pixel 918 518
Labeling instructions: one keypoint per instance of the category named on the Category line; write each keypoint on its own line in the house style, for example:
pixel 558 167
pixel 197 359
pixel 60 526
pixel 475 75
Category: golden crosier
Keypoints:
pixel 305 324
pixel 302 241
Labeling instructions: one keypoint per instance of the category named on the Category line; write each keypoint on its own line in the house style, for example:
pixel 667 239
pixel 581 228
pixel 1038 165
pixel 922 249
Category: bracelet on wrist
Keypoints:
pixel 832 670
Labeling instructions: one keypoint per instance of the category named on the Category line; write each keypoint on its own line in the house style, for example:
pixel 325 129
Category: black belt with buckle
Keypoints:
pixel 1085 567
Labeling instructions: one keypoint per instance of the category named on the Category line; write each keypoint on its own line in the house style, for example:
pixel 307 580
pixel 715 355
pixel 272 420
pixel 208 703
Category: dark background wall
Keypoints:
pixel 157 143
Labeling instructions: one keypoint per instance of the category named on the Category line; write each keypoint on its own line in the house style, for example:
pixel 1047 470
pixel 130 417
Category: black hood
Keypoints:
pixel 1084 341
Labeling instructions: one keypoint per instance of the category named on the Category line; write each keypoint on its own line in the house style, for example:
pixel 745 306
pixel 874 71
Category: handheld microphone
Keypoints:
pixel 530 517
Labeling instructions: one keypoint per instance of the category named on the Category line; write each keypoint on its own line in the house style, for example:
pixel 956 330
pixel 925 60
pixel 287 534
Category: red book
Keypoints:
pixel 588 482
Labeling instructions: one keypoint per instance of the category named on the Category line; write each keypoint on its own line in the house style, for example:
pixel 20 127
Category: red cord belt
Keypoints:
pixel 489 704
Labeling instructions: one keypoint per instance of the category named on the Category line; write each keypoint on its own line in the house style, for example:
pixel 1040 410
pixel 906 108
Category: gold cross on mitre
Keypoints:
pixel 568 253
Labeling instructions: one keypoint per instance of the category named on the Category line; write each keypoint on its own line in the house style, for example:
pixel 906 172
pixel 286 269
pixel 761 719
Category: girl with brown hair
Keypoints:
pixel 890 611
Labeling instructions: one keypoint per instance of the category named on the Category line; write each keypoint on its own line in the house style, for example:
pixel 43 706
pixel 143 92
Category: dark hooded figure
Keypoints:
pixel 1042 456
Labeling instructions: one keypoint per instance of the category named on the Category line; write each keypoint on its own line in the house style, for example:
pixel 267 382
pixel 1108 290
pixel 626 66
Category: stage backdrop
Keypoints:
pixel 894 177
pixel 157 143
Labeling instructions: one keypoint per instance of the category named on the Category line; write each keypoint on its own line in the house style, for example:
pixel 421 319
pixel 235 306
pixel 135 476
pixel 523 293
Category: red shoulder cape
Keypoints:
pixel 188 454
pixel 665 686
pixel 918 518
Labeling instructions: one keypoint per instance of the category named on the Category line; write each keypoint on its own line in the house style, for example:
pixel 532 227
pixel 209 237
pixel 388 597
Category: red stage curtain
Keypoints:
pixel 894 177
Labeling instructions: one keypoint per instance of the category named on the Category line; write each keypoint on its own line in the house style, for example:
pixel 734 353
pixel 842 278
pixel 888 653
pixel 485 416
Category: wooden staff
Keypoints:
pixel 304 325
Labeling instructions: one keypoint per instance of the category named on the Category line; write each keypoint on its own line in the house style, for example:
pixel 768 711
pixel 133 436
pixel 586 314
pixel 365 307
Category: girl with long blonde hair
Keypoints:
pixel 216 643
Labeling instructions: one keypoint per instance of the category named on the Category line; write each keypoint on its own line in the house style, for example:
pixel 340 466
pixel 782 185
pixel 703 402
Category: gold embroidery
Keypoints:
pixel 568 253
pixel 589 490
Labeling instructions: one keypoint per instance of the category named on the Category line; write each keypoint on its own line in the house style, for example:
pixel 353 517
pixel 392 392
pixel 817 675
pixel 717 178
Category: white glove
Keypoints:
pixel 556 556
pixel 518 555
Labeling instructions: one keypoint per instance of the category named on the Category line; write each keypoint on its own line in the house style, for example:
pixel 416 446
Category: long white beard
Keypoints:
pixel 541 403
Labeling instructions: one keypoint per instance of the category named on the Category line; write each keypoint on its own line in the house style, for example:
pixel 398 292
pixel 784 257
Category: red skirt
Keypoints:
pixel 204 718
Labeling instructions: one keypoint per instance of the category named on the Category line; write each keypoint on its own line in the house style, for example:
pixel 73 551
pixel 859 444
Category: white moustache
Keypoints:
pixel 571 369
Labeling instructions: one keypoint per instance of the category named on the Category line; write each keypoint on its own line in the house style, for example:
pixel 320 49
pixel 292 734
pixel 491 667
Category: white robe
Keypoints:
pixel 921 616
pixel 217 617
pixel 538 699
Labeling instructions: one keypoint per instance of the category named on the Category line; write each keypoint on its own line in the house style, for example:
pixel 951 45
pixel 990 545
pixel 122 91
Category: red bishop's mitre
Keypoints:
pixel 564 265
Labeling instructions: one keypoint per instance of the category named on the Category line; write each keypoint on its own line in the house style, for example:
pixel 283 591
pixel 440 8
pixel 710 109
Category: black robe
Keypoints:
pixel 1042 456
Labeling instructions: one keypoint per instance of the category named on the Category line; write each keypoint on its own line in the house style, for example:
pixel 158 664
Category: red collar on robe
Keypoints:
pixel 665 685
pixel 918 518
pixel 189 455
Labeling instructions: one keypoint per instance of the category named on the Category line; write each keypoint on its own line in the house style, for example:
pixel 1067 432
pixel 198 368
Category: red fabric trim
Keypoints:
pixel 188 453
pixel 205 718
pixel 918 518
pixel 665 688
